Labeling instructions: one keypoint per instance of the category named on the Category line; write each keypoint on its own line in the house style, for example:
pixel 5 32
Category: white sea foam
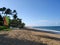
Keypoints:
pixel 46 30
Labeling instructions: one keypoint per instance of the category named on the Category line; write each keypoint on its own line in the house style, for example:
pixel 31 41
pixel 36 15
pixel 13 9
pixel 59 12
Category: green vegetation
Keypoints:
pixel 5 23
pixel 4 28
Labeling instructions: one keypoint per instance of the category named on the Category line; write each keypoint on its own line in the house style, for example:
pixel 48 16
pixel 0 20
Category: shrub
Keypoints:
pixel 4 28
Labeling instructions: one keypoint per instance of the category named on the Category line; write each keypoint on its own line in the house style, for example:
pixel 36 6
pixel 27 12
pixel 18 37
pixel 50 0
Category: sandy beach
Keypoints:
pixel 28 37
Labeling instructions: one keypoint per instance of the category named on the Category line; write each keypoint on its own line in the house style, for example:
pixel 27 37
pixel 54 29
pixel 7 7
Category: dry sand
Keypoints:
pixel 28 37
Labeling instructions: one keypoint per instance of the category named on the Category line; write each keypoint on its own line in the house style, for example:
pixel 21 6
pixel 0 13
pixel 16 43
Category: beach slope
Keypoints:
pixel 28 37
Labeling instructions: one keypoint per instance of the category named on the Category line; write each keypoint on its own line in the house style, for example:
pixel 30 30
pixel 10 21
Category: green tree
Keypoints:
pixel 8 11
pixel 23 24
pixel 1 20
pixel 15 16
pixel 19 20
pixel 15 22
pixel 14 11
pixel 2 10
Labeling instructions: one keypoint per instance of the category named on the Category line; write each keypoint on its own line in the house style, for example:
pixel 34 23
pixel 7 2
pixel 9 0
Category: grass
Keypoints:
pixel 4 28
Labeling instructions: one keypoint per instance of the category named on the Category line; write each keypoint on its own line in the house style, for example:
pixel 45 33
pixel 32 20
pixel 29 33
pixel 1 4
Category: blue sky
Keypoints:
pixel 35 12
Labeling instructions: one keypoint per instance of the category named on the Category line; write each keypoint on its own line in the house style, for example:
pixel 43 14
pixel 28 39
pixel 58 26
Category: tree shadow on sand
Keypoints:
pixel 54 38
pixel 4 40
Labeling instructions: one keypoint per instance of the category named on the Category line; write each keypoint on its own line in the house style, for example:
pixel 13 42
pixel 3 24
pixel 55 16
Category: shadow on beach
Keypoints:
pixel 4 40
pixel 54 38
pixel 44 36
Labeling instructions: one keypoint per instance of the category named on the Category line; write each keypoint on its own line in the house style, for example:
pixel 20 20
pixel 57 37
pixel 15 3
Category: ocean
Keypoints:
pixel 54 29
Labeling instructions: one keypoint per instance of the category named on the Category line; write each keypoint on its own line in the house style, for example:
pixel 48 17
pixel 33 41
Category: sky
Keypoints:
pixel 35 12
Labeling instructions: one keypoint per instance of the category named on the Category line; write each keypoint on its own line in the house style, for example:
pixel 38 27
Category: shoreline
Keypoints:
pixel 43 30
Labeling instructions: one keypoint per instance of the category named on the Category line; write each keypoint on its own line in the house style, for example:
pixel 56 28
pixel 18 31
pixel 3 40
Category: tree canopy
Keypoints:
pixel 15 22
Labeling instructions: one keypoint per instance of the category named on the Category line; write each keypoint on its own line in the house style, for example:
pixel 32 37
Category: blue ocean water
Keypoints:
pixel 55 29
